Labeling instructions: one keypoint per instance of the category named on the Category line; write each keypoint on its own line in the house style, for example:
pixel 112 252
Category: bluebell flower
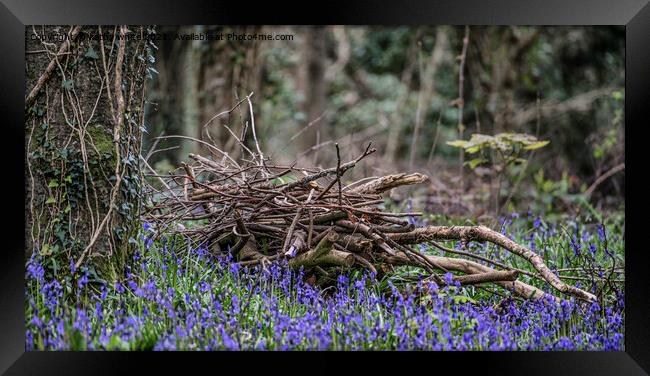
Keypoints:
pixel 449 278
pixel 35 270
pixel 83 281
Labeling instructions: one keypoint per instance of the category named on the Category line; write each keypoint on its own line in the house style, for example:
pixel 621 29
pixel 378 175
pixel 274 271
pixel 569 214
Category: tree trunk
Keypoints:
pixel 84 116
pixel 231 70
pixel 174 95
pixel 427 89
pixel 199 79
pixel 311 82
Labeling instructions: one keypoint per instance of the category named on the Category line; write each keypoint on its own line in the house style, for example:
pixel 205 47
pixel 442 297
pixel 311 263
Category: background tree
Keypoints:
pixel 311 80
pixel 197 79
pixel 399 86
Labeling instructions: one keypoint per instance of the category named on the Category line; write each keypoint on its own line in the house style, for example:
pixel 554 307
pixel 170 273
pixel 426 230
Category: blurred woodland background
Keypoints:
pixel 410 90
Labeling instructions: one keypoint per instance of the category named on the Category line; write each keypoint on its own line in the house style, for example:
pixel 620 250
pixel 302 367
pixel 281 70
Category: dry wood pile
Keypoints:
pixel 259 212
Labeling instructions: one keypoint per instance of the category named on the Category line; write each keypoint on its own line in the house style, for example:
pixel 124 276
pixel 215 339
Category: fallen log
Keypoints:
pixel 470 267
pixel 482 234
pixel 496 276
pixel 316 224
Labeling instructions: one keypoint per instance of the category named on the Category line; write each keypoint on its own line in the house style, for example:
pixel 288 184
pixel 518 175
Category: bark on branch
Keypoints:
pixel 389 182
pixel 482 233
pixel 519 288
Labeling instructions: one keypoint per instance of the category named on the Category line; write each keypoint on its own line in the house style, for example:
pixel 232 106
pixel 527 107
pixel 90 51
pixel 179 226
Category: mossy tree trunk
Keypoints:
pixel 84 121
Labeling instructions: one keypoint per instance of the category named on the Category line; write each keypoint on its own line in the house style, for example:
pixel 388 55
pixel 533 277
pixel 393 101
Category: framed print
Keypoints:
pixel 422 180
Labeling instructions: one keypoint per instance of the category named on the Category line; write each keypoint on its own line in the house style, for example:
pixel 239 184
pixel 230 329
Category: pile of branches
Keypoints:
pixel 258 212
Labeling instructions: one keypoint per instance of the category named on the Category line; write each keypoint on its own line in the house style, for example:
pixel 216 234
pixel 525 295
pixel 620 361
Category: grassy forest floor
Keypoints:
pixel 176 297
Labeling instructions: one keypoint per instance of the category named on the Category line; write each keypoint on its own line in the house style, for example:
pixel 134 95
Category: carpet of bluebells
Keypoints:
pixel 177 298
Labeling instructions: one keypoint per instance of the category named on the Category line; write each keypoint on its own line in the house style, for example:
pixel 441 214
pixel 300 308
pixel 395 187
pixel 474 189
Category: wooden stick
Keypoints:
pixel 346 166
pixel 338 170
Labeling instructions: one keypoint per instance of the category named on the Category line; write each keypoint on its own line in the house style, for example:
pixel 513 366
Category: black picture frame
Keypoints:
pixel 634 14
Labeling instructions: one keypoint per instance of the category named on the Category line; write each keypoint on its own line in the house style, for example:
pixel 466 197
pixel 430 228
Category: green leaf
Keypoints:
pixel 53 184
pixel 517 138
pixel 77 340
pixel 463 299
pixel 473 149
pixel 479 141
pixel 457 143
pixel 536 145
pixel 68 179
pixel 45 250
pixel 547 186
pixel 475 162
pixel 91 54
pixel 50 200
pixel 67 84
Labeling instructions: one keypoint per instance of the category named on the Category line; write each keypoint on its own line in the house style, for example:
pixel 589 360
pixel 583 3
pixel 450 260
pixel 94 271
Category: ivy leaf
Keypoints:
pixel 53 184
pixel 45 250
pixel 91 54
pixel 50 200
pixel 61 234
pixel 67 84
pixel 536 145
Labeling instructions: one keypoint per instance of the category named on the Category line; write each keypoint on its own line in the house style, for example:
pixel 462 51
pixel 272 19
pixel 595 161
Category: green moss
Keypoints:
pixel 103 141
